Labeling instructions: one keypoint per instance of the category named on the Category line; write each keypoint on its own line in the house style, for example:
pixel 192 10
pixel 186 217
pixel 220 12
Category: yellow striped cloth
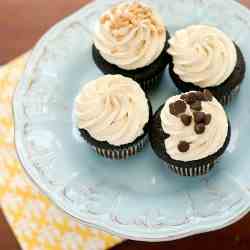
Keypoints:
pixel 36 222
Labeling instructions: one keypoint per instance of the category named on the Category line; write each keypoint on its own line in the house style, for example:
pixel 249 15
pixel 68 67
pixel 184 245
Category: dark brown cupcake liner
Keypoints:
pixel 121 153
pixel 152 83
pixel 192 171
pixel 228 97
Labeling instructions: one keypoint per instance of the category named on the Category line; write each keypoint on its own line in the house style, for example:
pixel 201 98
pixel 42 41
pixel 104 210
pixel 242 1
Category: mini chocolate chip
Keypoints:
pixel 172 109
pixel 177 107
pixel 199 96
pixel 199 117
pixel 199 128
pixel 196 106
pixel 190 98
pixel 208 96
pixel 186 119
pixel 180 106
pixel 207 119
pixel 183 146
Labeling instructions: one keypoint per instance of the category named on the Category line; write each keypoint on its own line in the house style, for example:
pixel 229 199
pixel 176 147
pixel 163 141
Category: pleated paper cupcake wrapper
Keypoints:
pixel 192 171
pixel 226 99
pixel 121 154
pixel 150 84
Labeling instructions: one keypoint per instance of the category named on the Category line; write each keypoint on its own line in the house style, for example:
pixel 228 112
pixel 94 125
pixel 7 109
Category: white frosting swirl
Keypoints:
pixel 201 145
pixel 202 55
pixel 130 35
pixel 112 108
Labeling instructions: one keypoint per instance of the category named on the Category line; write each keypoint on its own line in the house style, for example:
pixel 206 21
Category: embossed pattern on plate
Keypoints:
pixel 138 198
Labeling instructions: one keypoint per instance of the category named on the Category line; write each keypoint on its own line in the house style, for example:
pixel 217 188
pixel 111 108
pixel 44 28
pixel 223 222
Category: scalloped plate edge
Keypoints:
pixel 201 228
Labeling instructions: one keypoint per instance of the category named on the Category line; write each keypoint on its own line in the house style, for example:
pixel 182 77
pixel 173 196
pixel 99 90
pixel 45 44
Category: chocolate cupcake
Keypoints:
pixel 205 57
pixel 131 40
pixel 112 114
pixel 190 132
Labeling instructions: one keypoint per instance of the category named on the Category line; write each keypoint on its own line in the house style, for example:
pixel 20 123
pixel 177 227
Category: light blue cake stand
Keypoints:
pixel 138 198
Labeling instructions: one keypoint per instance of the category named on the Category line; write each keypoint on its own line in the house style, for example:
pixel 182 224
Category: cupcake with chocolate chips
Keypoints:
pixel 131 39
pixel 205 57
pixel 112 114
pixel 190 132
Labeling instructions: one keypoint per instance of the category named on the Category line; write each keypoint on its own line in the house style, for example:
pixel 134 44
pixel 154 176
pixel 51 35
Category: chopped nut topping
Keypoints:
pixel 132 15
pixel 124 23
pixel 113 26
pixel 133 20
pixel 113 10
pixel 104 19
pixel 130 26
pixel 119 37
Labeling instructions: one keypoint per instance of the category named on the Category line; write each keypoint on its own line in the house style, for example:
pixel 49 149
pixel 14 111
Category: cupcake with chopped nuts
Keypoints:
pixel 205 57
pixel 112 114
pixel 190 132
pixel 131 39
